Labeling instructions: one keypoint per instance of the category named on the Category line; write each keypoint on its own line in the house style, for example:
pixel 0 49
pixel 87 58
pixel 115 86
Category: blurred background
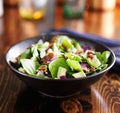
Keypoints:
pixel 20 19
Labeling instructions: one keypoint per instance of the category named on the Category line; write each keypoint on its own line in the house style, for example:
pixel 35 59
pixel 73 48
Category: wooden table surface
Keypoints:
pixel 16 97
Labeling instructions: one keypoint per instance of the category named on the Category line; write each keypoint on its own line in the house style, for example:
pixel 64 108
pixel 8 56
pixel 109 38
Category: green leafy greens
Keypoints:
pixel 61 58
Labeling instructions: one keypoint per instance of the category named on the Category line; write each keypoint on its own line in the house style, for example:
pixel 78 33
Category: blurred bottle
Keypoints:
pixel 32 9
pixel 1 8
pixel 60 2
pixel 102 5
pixel 74 8
pixel 11 3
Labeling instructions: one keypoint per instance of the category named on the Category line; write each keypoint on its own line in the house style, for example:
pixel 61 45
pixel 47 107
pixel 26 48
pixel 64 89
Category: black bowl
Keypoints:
pixel 55 87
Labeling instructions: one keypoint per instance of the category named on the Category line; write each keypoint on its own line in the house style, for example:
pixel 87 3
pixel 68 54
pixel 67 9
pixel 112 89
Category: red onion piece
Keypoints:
pixel 62 77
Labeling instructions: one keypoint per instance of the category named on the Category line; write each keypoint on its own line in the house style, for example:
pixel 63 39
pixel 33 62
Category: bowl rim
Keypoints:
pixel 53 79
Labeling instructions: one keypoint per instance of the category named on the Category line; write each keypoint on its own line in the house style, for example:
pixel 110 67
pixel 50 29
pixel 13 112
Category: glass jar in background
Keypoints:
pixel 74 8
pixel 32 9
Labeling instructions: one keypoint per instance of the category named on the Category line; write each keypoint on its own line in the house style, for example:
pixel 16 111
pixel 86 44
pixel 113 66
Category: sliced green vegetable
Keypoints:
pixel 21 69
pixel 102 67
pixel 61 38
pixel 29 66
pixel 74 65
pixel 73 57
pixel 99 56
pixel 76 44
pixel 25 54
pixel 79 74
pixel 42 49
pixel 35 52
pixel 54 65
pixel 56 50
pixel 67 43
pixel 95 62
pixel 61 71
pixel 103 57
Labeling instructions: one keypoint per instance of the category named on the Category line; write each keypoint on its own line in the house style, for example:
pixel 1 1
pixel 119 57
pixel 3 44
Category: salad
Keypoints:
pixel 61 58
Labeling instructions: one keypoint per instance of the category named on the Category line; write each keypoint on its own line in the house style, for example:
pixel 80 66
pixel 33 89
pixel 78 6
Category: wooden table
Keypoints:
pixel 16 97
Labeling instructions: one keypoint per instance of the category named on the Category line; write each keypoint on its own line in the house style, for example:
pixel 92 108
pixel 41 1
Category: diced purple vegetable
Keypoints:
pixel 62 77
pixel 86 48
pixel 84 66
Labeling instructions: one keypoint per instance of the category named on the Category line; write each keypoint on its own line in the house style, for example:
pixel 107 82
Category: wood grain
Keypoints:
pixel 107 94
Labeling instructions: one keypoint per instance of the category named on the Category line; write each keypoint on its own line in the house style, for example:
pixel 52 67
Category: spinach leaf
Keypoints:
pixel 25 54
pixel 103 57
pixel 54 65
pixel 74 65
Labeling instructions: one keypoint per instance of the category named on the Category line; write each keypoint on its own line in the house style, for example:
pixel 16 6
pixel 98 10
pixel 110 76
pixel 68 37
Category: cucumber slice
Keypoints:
pixel 79 74
pixel 54 65
pixel 61 72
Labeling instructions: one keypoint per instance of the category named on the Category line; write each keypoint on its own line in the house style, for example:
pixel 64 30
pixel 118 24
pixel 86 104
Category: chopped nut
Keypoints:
pixel 65 47
pixel 87 70
pixel 79 51
pixel 90 54
pixel 47 58
pixel 43 69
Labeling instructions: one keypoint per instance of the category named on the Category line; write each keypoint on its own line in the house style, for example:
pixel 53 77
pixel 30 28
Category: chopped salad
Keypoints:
pixel 61 58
